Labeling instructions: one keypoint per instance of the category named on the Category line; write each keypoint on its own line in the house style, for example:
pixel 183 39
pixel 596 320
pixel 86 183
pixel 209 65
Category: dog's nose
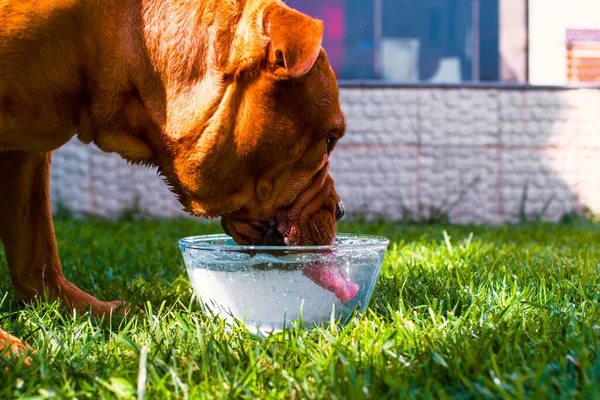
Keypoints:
pixel 339 211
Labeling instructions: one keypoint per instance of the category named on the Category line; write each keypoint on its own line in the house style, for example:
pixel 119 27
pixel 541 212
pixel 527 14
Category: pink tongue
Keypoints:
pixel 329 277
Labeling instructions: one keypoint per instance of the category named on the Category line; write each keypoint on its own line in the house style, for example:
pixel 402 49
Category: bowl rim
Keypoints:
pixel 197 243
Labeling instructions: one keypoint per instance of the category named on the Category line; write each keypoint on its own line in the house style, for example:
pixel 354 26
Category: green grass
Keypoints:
pixel 482 312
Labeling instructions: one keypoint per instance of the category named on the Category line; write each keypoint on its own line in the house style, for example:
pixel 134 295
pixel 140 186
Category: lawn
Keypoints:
pixel 459 312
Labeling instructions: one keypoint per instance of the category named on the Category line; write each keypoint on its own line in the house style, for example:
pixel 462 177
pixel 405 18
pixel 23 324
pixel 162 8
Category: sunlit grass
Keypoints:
pixel 461 312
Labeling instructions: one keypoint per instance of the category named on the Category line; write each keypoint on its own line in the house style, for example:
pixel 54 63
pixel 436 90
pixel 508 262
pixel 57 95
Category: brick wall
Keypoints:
pixel 470 152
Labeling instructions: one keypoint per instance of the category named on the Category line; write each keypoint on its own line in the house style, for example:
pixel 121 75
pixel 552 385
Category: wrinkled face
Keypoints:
pixel 269 178
pixel 260 160
pixel 289 129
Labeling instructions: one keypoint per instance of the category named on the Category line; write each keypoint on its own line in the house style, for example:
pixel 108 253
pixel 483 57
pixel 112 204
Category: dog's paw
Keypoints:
pixel 11 346
pixel 123 308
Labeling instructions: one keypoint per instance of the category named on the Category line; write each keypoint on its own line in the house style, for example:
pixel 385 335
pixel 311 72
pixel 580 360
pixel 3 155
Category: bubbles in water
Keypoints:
pixel 268 289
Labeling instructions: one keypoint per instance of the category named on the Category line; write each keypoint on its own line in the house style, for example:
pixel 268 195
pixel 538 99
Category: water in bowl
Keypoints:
pixel 266 291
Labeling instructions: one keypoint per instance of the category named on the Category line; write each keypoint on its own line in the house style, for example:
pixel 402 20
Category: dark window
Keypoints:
pixel 408 40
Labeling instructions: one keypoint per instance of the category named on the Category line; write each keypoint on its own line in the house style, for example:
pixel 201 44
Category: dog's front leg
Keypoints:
pixel 27 232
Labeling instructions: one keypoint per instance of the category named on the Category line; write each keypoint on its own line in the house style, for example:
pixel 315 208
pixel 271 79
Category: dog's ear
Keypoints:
pixel 295 39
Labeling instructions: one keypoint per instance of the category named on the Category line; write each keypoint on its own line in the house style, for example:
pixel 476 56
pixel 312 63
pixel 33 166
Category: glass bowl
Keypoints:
pixel 267 287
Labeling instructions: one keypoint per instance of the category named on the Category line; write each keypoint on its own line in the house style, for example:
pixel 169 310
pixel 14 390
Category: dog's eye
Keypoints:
pixel 330 143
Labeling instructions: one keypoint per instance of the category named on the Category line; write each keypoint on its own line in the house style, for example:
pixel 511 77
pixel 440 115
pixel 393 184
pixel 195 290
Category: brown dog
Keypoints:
pixel 233 100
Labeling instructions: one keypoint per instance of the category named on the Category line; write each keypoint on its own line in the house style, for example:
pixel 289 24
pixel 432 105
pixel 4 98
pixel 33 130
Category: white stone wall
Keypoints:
pixel 470 152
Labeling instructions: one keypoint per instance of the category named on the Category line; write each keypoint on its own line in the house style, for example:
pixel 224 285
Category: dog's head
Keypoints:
pixel 258 155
